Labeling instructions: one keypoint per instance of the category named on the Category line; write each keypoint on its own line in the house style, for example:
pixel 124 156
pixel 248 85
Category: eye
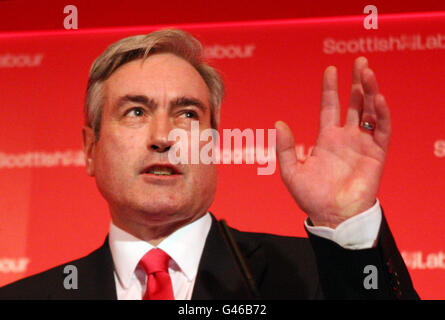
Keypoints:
pixel 135 112
pixel 190 114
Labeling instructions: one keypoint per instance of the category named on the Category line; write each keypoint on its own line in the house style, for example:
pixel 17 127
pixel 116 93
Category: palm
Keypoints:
pixel 341 176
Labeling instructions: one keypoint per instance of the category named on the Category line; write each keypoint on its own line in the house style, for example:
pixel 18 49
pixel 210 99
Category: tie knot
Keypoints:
pixel 155 260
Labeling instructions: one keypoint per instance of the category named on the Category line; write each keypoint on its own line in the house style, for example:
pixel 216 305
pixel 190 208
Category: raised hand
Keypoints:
pixel 341 177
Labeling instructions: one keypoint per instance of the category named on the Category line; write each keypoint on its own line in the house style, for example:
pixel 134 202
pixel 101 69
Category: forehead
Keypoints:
pixel 160 76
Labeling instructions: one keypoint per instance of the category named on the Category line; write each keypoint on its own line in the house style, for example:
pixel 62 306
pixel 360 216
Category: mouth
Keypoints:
pixel 161 170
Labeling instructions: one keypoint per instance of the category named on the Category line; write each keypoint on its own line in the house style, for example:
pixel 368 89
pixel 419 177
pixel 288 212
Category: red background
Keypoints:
pixel 52 215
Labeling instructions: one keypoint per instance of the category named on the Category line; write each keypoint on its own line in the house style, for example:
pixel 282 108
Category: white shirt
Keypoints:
pixel 186 244
pixel 358 232
pixel 184 247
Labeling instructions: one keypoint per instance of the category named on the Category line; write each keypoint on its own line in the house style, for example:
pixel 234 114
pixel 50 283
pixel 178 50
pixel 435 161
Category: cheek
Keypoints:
pixel 205 178
pixel 206 174
pixel 115 155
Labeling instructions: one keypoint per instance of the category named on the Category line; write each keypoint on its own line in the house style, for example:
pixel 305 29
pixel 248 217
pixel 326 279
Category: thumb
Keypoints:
pixel 286 155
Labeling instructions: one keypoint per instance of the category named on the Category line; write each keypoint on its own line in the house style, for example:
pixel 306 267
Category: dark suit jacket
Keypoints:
pixel 283 268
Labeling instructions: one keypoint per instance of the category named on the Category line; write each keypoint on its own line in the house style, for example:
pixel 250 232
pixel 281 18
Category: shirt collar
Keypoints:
pixel 184 246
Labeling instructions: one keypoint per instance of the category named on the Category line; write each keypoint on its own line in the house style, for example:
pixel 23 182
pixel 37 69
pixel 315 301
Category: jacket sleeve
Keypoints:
pixel 376 273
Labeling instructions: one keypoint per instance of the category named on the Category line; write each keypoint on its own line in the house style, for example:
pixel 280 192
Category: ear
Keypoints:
pixel 88 142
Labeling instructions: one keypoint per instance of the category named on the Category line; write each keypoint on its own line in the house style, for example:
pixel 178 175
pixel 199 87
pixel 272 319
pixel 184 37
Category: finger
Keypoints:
pixel 330 106
pixel 287 157
pixel 355 107
pixel 382 134
pixel 356 97
pixel 370 90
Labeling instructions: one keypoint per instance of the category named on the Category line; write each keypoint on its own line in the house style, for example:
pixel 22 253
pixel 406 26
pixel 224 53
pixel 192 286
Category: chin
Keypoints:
pixel 159 208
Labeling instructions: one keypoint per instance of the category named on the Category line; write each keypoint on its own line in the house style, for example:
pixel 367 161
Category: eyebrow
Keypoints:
pixel 183 101
pixel 138 98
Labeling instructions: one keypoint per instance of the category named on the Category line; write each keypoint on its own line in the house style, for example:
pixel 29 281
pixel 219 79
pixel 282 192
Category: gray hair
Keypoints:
pixel 132 48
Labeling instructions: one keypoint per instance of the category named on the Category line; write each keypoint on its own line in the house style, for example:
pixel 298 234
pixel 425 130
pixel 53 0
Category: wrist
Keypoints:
pixel 332 220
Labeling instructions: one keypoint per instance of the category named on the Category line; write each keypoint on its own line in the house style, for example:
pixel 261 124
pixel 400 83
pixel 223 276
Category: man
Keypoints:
pixel 143 87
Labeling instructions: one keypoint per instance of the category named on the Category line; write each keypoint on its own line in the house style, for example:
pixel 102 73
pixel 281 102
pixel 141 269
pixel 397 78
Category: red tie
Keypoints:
pixel 159 284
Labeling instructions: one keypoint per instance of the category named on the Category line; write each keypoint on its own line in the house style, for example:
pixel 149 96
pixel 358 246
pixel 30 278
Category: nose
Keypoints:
pixel 160 127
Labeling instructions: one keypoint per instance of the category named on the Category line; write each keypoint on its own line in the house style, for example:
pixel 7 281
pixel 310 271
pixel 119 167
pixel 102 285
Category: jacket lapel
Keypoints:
pixel 218 274
pixel 104 274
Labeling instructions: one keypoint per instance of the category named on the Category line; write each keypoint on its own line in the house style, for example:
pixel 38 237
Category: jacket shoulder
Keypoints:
pixel 276 243
pixel 74 279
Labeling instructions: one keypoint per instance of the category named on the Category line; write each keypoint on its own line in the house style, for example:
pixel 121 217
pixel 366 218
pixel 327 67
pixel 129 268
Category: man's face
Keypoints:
pixel 143 103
